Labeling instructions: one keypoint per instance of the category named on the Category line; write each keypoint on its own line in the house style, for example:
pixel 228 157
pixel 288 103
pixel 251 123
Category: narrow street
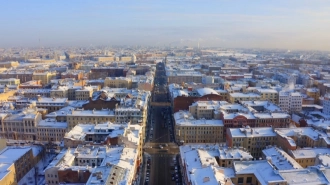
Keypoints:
pixel 161 166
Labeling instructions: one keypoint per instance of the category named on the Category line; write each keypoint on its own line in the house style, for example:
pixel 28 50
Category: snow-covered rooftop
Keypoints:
pixel 308 152
pixel 206 91
pixel 280 159
pixel 252 132
pixel 262 170
pixel 185 118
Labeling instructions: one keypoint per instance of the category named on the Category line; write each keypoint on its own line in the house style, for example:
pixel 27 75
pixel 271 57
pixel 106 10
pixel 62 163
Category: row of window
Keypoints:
pixel 256 139
pixel 200 128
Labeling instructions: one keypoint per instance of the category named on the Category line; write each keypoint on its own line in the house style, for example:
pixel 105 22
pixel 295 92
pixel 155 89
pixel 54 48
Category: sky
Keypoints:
pixel 283 24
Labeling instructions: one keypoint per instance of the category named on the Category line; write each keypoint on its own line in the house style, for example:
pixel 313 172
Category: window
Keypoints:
pixel 249 180
pixel 240 180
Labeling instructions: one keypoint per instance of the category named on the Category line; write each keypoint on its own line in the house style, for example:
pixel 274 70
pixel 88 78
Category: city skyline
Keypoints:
pixel 240 24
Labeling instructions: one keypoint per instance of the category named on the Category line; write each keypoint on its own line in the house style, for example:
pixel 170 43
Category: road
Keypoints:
pixel 160 132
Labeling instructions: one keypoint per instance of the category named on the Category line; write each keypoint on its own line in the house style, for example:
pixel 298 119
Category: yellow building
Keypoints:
pixel 8 175
pixel 76 117
pixel 10 81
pixel 314 93
pixel 20 158
pixel 268 95
pixel 105 59
pixel 248 172
pixel 253 139
pixel 307 156
pixel 118 82
pixel 9 64
pixel 191 130
pixel 234 97
pixel 44 77
pixel 84 93
pixel 3 143
pixel 126 58
pixel 205 109
pixel 51 130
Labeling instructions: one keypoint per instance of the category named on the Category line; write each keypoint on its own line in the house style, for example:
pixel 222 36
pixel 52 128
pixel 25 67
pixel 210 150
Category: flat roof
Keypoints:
pixel 262 170
pixel 252 132
pixel 11 154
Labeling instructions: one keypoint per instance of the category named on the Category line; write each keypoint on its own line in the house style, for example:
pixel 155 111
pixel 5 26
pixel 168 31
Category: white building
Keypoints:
pixel 326 104
pixel 290 101
pixel 101 162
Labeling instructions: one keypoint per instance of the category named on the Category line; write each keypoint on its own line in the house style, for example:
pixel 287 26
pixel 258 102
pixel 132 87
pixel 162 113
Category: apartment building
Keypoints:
pixel 253 140
pixel 128 114
pixel 32 84
pixel 118 82
pixel 268 95
pixel 228 155
pixel 326 104
pixel 19 161
pixel 9 174
pixel 9 81
pixel 76 74
pixel 33 93
pixel 267 114
pixel 293 138
pixel 77 116
pixel 313 93
pixel 102 133
pixel 191 130
pixel 143 82
pixel 248 172
pixel 235 116
pixel 84 163
pixel 51 130
pixel 184 76
pixel 290 101
pixel 44 77
pixel 22 75
pixel 235 97
pixel 205 109
pixel 51 104
pixel 59 92
pixel 199 164
pixel 84 93
pixel 308 156
pixel 20 125
pixel 103 72
pixel 182 98
pixel 280 159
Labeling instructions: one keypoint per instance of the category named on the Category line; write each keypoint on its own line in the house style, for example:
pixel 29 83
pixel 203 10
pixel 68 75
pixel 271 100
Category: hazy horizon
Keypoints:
pixel 302 25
